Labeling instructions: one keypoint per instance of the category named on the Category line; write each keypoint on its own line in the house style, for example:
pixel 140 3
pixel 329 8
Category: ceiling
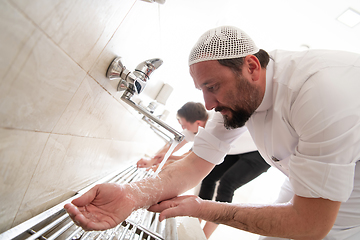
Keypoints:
pixel 273 24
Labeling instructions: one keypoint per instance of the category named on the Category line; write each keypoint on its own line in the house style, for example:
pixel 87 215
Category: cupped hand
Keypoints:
pixel 153 167
pixel 189 205
pixel 102 207
pixel 144 163
pixel 159 157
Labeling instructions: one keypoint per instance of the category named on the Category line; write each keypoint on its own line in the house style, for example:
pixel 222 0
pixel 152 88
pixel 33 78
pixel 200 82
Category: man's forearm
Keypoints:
pixel 249 218
pixel 281 220
pixel 173 180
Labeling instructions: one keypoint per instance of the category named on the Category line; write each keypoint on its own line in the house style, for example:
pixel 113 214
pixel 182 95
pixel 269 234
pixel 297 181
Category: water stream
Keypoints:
pixel 167 155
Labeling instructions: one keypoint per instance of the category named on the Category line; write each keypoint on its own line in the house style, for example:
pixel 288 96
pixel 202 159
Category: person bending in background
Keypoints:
pixel 191 116
pixel 242 164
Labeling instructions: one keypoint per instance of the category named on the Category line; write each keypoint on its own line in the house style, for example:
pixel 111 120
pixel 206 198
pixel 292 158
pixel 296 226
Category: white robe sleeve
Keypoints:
pixel 214 142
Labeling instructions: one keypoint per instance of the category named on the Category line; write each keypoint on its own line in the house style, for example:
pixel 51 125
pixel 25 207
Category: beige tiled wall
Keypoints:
pixel 62 125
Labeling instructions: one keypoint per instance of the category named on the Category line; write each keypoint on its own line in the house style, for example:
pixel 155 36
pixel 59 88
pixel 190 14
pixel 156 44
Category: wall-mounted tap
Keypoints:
pixel 135 82
pixel 132 81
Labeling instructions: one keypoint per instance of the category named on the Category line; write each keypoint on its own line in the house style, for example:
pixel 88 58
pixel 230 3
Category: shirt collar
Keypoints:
pixel 267 100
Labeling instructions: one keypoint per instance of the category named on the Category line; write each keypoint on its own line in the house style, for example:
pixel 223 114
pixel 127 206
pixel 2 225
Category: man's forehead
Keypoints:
pixel 198 73
pixel 193 77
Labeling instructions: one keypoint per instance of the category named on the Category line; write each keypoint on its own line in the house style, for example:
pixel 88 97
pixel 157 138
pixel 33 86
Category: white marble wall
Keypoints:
pixel 62 125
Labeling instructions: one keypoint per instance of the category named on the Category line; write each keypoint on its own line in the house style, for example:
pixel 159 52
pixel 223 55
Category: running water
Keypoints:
pixel 167 155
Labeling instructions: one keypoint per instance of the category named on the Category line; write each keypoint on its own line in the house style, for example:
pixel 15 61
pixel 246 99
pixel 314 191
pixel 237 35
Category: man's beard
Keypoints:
pixel 238 118
pixel 240 115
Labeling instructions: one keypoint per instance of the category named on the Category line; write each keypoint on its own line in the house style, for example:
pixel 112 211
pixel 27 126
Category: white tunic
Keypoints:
pixel 308 126
pixel 242 144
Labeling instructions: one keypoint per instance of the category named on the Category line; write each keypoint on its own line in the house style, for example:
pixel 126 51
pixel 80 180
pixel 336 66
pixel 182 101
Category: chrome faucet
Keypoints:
pixel 132 81
pixel 135 82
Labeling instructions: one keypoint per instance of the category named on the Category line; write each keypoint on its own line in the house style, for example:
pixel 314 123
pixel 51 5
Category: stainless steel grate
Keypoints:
pixel 55 223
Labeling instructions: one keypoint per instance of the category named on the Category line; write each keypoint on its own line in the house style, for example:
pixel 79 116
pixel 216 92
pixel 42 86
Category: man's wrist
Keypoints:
pixel 141 194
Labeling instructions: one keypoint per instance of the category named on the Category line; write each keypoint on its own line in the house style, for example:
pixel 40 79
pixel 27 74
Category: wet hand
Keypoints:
pixel 102 207
pixel 148 163
pixel 189 205
pixel 144 163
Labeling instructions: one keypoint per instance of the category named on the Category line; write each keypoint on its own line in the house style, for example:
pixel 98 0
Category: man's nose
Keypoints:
pixel 210 101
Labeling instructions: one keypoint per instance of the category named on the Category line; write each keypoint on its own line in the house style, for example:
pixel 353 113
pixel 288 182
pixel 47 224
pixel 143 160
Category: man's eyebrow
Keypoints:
pixel 207 82
pixel 199 87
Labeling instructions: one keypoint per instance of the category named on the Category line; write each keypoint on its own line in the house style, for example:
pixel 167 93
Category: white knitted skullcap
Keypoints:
pixel 222 43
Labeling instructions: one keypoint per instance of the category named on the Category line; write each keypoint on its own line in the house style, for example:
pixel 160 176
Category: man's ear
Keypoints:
pixel 200 123
pixel 253 67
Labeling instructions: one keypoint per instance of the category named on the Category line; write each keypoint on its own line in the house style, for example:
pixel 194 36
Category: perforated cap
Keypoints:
pixel 222 43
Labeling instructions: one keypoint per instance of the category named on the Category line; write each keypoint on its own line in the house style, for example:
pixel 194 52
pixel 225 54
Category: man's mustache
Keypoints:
pixel 219 109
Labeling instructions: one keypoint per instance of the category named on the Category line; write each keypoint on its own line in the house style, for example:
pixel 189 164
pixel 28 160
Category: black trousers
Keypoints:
pixel 232 173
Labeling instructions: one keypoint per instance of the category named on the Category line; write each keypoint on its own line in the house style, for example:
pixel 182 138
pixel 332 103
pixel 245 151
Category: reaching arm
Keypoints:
pixel 167 147
pixel 170 160
pixel 106 205
pixel 175 179
pixel 175 158
pixel 146 163
pixel 302 218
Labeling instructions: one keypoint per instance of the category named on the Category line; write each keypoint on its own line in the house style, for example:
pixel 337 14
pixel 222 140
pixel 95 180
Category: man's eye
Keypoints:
pixel 211 88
